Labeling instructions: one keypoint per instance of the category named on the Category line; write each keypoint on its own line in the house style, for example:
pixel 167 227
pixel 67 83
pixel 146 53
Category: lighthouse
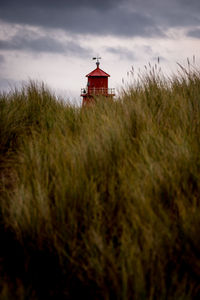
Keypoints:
pixel 97 85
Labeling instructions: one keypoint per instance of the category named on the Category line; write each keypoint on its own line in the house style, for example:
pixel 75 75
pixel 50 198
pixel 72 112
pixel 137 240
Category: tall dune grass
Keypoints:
pixel 102 202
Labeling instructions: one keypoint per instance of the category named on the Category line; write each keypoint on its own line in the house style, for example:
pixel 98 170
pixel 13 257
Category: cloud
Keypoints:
pixel 116 17
pixel 122 53
pixel 28 40
pixel 63 4
pixel 168 14
pixel 7 84
pixel 194 33
pixel 146 18
pixel 2 59
pixel 103 17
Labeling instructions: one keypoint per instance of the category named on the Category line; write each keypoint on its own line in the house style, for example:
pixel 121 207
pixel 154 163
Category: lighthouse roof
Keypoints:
pixel 98 72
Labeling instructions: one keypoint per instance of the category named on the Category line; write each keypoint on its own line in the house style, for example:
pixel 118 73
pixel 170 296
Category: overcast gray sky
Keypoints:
pixel 54 41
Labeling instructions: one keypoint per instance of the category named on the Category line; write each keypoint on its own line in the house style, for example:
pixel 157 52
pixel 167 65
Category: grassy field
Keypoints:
pixel 102 202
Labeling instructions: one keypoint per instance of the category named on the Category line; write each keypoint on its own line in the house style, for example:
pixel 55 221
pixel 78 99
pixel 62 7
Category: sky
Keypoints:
pixel 53 41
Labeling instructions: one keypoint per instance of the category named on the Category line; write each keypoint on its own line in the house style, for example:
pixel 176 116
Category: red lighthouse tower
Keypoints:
pixel 97 85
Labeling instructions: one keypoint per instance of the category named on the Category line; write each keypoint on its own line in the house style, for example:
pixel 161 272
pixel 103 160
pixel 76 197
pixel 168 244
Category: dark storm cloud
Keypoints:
pixel 118 17
pixel 38 45
pixel 63 4
pixel 29 41
pixel 86 16
pixel 171 13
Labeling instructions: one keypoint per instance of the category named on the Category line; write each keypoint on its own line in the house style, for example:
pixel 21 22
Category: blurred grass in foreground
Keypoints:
pixel 102 202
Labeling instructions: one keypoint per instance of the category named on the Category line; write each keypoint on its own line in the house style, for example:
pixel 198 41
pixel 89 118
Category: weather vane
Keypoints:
pixel 97 60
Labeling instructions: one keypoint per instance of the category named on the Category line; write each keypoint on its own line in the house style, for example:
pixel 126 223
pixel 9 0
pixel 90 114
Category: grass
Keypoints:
pixel 102 202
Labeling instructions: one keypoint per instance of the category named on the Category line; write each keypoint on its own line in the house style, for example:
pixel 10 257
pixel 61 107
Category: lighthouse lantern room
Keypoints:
pixel 97 85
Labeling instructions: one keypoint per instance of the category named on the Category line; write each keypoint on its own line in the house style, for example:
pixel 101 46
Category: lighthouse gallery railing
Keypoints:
pixel 98 91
